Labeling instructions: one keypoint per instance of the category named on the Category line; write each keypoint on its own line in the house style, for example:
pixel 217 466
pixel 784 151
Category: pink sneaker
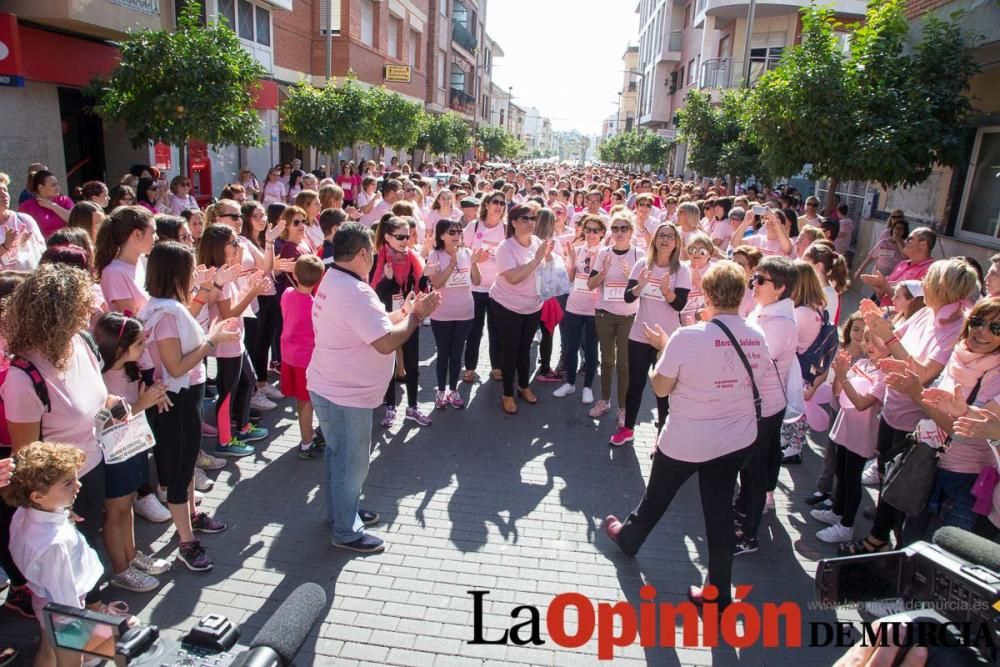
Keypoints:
pixel 209 431
pixel 600 409
pixel 454 400
pixel 441 400
pixel 622 436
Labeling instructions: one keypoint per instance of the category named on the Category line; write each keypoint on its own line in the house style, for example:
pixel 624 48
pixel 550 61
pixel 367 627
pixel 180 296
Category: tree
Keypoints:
pixel 329 118
pixel 498 142
pixel 719 144
pixel 445 134
pixel 636 147
pixel 196 83
pixel 887 112
pixel 393 121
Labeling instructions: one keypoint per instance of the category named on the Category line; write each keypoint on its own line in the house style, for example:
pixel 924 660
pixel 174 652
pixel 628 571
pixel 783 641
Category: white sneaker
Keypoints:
pixel 836 533
pixel 826 516
pixel 564 390
pixel 134 580
pixel 271 392
pixel 202 482
pixel 150 509
pixel 588 396
pixel 870 476
pixel 150 565
pixel 161 493
pixel 261 402
pixel 600 409
pixel 208 462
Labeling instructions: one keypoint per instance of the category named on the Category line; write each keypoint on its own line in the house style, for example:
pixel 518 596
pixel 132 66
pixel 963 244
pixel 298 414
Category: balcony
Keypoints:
pixel 461 35
pixel 461 101
pixel 719 73
pixel 735 9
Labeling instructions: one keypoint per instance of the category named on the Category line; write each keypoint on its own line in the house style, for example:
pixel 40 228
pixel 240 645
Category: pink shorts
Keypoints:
pixel 293 382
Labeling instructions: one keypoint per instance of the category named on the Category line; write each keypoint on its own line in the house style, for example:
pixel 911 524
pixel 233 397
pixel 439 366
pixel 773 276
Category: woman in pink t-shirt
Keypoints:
pixel 122 242
pixel 47 206
pixel 350 183
pixel 274 190
pixel 516 304
pixel 661 285
pixel 710 428
pixel 451 269
pixel 774 240
pixel 922 347
pixel 613 315
pixel 487 232
pixel 180 198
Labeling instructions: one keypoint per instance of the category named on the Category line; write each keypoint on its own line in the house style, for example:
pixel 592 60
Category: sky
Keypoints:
pixel 563 57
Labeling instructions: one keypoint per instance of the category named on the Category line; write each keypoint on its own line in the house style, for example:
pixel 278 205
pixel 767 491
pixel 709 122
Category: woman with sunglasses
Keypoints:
pixel 774 241
pixel 920 348
pixel 748 258
pixel 689 224
pixel 487 233
pixel 661 285
pixel 219 249
pixel 645 221
pixel 452 270
pixel 613 315
pixel 516 304
pixel 293 243
pixel 396 272
pixel 147 194
pixel 180 195
pixel 700 250
pixel 274 191
pixel 578 318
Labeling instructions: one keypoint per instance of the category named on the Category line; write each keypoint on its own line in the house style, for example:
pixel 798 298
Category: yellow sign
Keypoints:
pixel 397 73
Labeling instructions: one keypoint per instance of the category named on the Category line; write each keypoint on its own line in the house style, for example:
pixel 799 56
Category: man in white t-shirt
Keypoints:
pixel 593 207
pixel 352 362
pixel 392 192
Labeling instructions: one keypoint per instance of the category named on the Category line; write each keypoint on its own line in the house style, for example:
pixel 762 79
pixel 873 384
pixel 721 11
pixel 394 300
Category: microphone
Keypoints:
pixel 969 546
pixel 283 634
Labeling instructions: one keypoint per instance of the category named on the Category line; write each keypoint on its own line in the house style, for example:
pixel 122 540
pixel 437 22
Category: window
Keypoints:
pixel 244 21
pixel 395 27
pixel 414 49
pixel 680 77
pixel 691 72
pixel 442 59
pixel 631 86
pixel 724 46
pixel 367 22
pixel 443 7
pixel 457 77
pixel 227 9
pixel 263 27
pixel 980 212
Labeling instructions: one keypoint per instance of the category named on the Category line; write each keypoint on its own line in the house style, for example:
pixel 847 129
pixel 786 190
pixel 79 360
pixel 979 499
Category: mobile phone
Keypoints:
pixel 759 210
pixel 119 411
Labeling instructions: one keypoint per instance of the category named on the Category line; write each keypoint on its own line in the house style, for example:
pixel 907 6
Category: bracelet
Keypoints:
pixel 892 340
pixel 200 302
pixel 216 285
pixel 266 242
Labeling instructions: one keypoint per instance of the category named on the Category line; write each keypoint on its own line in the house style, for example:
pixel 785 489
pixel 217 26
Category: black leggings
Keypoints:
pixel 641 357
pixel 515 331
pixel 89 506
pixel 484 314
pixel 716 480
pixel 236 384
pixel 411 364
pixel 267 322
pixel 887 517
pixel 544 348
pixel 847 491
pixel 754 475
pixel 6 514
pixel 178 438
pixel 450 340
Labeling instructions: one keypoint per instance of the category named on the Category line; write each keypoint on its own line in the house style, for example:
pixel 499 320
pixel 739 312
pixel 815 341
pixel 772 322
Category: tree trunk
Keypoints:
pixel 831 196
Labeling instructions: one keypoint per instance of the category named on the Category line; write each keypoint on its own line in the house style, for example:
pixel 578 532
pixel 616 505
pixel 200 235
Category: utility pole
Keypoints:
pixel 751 10
pixel 510 96
pixel 329 64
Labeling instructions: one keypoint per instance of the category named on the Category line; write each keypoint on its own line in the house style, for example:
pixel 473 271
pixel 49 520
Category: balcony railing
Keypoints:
pixel 728 73
pixel 461 35
pixel 461 101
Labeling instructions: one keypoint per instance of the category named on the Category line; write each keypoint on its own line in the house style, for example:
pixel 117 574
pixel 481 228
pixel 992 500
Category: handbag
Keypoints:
pixel 910 475
pixel 122 440
pixel 552 280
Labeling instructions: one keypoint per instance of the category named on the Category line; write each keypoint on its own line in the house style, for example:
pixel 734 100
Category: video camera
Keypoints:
pixel 212 642
pixel 953 583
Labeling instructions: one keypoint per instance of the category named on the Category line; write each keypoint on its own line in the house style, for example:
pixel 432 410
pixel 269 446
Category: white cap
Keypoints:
pixel 914 287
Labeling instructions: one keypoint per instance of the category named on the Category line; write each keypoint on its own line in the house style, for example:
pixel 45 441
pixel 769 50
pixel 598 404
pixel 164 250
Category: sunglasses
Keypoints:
pixel 234 216
pixel 400 237
pixel 454 232
pixel 593 230
pixel 499 202
pixel 666 237
pixel 697 252
pixel 758 279
pixel 527 218
pixel 621 229
pixel 979 323
pixel 811 205
pixel 298 222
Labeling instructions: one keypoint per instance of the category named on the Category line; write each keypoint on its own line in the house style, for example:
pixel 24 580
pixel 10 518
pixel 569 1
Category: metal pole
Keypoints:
pixel 510 96
pixel 329 65
pixel 746 46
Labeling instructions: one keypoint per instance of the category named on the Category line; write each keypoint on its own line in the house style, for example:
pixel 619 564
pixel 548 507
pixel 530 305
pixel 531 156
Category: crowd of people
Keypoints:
pixel 726 301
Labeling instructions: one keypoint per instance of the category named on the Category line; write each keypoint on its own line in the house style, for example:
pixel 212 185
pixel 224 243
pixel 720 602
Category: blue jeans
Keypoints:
pixel 348 433
pixel 577 329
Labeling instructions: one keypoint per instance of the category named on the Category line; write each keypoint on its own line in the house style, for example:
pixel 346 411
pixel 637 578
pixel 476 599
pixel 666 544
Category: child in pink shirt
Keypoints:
pixel 297 342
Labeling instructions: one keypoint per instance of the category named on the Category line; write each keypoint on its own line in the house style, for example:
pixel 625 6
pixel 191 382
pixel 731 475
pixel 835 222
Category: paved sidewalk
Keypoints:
pixel 479 500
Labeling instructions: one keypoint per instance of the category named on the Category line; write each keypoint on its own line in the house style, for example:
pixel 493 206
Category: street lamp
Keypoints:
pixel 510 96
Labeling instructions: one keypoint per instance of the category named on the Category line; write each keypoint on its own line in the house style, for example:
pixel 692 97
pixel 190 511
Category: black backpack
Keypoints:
pixel 818 357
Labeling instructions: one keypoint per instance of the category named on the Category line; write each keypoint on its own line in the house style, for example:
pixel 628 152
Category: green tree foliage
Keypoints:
pixel 637 147
pixel 393 120
pixel 498 142
pixel 718 142
pixel 445 133
pixel 196 83
pixel 885 112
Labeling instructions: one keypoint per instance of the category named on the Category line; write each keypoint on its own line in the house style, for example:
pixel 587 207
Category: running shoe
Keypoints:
pixel 825 516
pixel 455 400
pixel 133 580
pixel 261 402
pixel 252 433
pixel 441 400
pixel 366 544
pixel 414 414
pixel 836 533
pixel 150 509
pixel 149 564
pixel 588 396
pixel 622 436
pixel 600 409
pixel 202 482
pixel 745 545
pixel 311 451
pixel 208 462
pixel 565 390
pixel 235 448
pixel 202 523
pixel 193 555
pixel 271 392
pixel 389 418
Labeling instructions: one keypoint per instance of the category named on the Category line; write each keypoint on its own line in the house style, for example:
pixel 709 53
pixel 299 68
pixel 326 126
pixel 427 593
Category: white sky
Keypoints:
pixel 563 57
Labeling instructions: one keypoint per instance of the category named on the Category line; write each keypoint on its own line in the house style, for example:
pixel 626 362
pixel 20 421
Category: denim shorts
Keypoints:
pixel 951 499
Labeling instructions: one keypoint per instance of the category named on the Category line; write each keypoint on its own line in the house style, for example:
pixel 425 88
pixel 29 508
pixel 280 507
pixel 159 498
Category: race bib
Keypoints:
pixel 930 433
pixel 580 284
pixel 614 291
pixel 397 302
pixel 459 278
pixel 652 291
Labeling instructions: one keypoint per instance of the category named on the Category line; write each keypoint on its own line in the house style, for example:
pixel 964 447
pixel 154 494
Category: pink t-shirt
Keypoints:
pixel 432 217
pixel 808 323
pixel 970 456
pixel 118 384
pixel 766 246
pixel 711 406
pixel 925 338
pixel 858 431
pixel 76 395
pixel 48 221
pixel 777 321
pixel 523 297
pixel 581 300
pixel 456 294
pixel 166 328
pixel 906 270
pixel 274 193
pixel 345 368
pixel 477 235
pixel 653 307
pixel 887 256
pixel 696 297
pixel 297 335
pixel 843 242
pixel 721 231
pixel 611 293
pixel 121 281
pixel 178 204
pixel 234 348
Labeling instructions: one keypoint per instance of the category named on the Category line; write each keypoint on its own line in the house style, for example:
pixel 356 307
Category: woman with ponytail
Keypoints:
pixel 831 267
